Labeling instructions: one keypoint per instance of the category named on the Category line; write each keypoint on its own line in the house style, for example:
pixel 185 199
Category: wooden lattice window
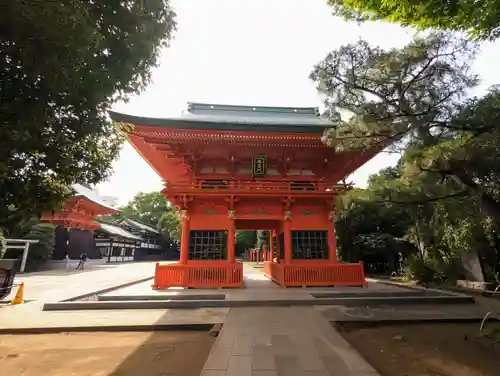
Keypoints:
pixel 310 245
pixel 208 245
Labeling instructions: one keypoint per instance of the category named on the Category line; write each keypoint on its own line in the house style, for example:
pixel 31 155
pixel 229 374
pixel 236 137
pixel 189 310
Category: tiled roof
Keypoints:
pixel 118 231
pixel 139 226
pixel 227 117
pixel 90 195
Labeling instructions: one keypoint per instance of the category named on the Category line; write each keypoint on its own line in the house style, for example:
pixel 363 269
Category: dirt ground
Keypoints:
pixel 105 354
pixel 426 349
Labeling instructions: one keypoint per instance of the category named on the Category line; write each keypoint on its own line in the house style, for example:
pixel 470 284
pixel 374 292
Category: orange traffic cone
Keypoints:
pixel 18 299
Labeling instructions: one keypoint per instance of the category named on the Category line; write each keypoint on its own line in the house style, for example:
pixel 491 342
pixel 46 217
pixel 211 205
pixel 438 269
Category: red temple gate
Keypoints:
pixel 78 212
pixel 231 168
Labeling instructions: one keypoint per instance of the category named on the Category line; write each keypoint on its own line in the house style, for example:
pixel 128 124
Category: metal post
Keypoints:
pixel 110 250
pixel 25 256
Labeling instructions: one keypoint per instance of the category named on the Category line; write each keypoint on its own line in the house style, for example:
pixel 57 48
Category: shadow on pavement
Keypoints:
pixel 169 353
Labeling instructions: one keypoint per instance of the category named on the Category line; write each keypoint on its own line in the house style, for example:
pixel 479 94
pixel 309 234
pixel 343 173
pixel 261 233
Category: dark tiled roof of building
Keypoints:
pixel 138 225
pixel 229 117
pixel 118 231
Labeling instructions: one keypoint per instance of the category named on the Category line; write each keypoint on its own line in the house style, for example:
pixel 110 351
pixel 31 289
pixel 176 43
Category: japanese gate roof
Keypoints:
pixel 204 116
pixel 85 192
pixel 138 225
pixel 117 231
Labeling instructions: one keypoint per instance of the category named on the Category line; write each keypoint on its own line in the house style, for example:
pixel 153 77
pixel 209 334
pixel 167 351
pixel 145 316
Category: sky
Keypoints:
pixel 251 52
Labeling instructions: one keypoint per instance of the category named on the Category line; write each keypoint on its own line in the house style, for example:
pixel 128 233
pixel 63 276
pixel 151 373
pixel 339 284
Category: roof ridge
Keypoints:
pixel 212 107
pixel 140 223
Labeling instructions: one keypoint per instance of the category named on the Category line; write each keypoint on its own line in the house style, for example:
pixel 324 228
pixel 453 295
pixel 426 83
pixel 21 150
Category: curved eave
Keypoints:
pixel 186 123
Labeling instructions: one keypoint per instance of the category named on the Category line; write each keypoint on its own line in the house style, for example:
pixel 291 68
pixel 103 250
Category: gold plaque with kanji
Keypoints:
pixel 259 166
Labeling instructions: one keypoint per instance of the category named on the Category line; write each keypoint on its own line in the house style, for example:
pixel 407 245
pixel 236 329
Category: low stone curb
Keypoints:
pixel 111 328
pixel 107 298
pixel 418 288
pixel 107 289
pixel 194 304
pixel 387 322
pixel 320 295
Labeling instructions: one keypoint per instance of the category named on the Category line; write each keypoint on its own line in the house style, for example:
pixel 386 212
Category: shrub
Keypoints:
pixel 422 271
pixel 2 244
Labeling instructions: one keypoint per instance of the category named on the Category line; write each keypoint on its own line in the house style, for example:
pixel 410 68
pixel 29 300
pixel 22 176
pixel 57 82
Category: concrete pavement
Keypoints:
pixel 295 341
pixel 57 285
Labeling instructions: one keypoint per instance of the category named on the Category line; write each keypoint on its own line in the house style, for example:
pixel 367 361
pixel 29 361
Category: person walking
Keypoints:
pixel 83 259
pixel 66 260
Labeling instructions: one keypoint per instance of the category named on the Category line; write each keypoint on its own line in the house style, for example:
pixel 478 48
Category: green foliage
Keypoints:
pixel 147 208
pixel 389 94
pixel 170 225
pixel 40 252
pixel 63 64
pixel 2 244
pixel 422 271
pixel 246 239
pixel 492 330
pixel 479 18
pixel 443 196
pixel 154 210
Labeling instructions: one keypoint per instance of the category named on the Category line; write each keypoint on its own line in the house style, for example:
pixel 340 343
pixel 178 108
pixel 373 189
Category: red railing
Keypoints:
pixel 207 274
pixel 316 274
pixel 256 187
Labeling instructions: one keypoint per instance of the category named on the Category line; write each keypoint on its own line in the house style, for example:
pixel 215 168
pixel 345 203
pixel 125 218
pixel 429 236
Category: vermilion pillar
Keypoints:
pixel 278 249
pixel 231 239
pixel 184 238
pixel 332 247
pixel 288 241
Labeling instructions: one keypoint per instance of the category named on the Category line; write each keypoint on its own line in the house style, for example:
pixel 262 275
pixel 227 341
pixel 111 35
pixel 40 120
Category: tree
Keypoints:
pixel 170 225
pixel 40 252
pixel 371 230
pixel 479 18
pixel 154 210
pixel 245 239
pixel 63 64
pixel 2 244
pixel 389 94
pixel 417 91
pixel 147 208
pixel 446 183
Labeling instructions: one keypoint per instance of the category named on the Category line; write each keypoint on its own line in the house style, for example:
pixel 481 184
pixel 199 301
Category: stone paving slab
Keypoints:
pixel 194 296
pixel 431 312
pixel 277 302
pixel 25 317
pixel 293 341
pixel 57 285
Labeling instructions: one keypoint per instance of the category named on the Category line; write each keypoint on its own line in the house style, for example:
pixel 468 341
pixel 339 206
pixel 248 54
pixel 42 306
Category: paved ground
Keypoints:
pixel 258 287
pixel 295 341
pixel 403 313
pixel 56 285
pixel 257 341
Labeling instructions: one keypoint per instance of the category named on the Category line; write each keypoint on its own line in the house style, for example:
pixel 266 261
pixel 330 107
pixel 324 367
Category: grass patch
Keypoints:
pixel 491 330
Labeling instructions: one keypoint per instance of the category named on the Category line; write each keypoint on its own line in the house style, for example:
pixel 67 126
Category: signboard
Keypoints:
pixel 259 166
